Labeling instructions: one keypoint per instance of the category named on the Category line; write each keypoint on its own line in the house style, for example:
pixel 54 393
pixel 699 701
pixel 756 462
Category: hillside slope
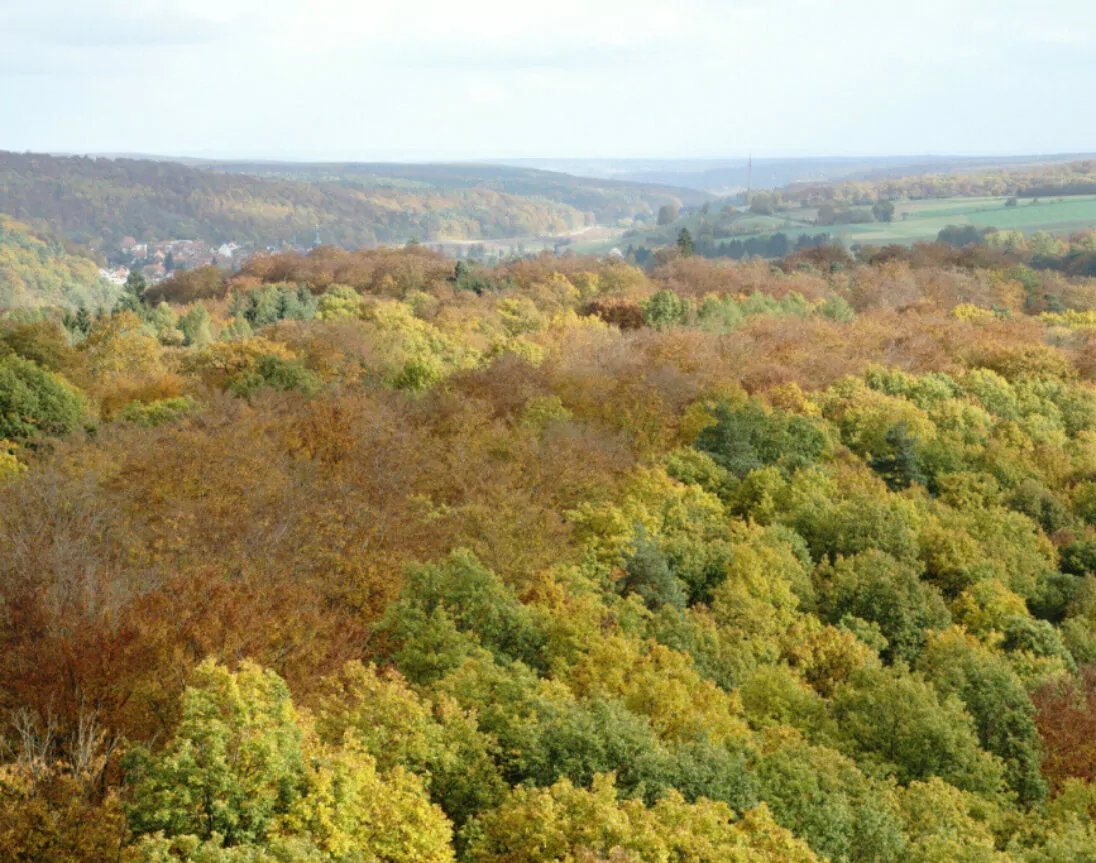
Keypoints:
pixel 37 270
pixel 101 201
pixel 608 200
pixel 728 176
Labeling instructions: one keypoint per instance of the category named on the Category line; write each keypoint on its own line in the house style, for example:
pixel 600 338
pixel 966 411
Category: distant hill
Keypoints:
pixel 100 201
pixel 607 199
pixel 727 176
pixel 37 270
pixel 1010 200
pixel 1027 179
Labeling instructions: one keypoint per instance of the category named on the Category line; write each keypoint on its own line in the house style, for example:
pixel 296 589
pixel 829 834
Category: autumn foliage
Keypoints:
pixel 366 556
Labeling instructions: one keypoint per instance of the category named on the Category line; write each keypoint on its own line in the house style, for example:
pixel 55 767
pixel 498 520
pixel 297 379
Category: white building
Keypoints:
pixel 117 276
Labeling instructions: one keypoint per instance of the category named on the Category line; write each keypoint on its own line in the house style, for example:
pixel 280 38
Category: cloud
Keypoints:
pixel 110 23
pixel 1060 35
pixel 590 77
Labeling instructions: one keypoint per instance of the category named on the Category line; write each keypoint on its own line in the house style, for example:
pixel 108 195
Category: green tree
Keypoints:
pixel 195 326
pixel 234 764
pixel 883 211
pixel 35 403
pixel 902 466
pixel 875 587
pixel 275 372
pixel 1037 637
pixel 648 574
pixel 897 723
pixel 748 437
pixel 82 322
pixel 824 798
pixel 448 611
pixel 665 309
pixel 685 243
pixel 837 309
pixel 577 741
pixel 135 285
pixel 764 203
pixel 995 697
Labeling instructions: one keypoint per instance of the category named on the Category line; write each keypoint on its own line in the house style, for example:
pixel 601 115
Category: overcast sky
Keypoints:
pixel 417 79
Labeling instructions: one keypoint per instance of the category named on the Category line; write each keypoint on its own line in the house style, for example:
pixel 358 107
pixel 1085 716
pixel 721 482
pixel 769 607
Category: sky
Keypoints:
pixel 431 79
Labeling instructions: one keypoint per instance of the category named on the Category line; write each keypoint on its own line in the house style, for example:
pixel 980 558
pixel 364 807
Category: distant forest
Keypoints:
pixel 100 201
pixel 608 200
pixel 1030 181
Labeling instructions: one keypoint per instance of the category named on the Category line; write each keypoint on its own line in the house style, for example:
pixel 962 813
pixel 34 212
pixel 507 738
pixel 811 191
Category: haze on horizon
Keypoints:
pixel 426 79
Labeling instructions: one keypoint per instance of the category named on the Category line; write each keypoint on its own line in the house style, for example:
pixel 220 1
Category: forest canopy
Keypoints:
pixel 375 556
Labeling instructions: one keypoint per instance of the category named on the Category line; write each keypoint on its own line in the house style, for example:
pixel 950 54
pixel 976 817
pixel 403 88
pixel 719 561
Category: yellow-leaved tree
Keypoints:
pixel 244 771
pixel 565 824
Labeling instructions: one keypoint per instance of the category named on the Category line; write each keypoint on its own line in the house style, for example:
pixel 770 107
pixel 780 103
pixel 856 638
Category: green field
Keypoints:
pixel 915 221
pixel 923 220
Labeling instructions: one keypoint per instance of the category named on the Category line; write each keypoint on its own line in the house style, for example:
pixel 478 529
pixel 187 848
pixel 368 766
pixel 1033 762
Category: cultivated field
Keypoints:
pixel 923 220
pixel 914 221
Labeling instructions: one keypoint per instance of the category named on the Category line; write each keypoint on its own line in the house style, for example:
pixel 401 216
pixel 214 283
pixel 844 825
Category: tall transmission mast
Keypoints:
pixel 749 180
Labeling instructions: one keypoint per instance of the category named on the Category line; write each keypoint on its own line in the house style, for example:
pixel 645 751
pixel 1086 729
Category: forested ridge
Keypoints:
pixel 1029 181
pixel 98 201
pixel 607 200
pixel 371 556
pixel 38 270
